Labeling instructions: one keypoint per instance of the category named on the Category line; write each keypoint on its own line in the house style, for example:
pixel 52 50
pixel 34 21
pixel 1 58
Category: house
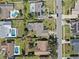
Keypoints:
pixel 6 30
pixel 7 49
pixel 39 29
pixel 37 7
pixel 75 27
pixel 75 10
pixel 74 57
pixel 75 46
pixel 42 48
pixel 5 10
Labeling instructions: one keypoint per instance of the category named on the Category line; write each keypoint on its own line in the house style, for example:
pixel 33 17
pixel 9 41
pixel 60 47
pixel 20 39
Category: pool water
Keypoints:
pixel 13 32
pixel 16 50
pixel 14 14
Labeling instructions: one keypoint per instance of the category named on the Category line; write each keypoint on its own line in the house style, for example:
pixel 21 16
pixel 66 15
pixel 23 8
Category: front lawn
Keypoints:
pixel 66 32
pixel 50 5
pixel 67 5
pixel 50 24
pixel 66 50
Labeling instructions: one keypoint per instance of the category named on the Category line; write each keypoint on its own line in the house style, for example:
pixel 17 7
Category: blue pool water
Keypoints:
pixel 14 14
pixel 13 32
pixel 16 50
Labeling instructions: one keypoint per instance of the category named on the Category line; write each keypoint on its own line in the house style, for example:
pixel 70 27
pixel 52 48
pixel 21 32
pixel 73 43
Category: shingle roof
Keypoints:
pixel 4 28
pixel 5 10
pixel 75 44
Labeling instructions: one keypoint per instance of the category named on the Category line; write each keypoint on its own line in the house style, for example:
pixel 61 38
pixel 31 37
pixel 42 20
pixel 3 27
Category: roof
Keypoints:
pixel 35 27
pixel 38 28
pixel 74 57
pixel 5 10
pixel 75 27
pixel 75 44
pixel 4 28
pixel 42 48
pixel 8 48
pixel 35 6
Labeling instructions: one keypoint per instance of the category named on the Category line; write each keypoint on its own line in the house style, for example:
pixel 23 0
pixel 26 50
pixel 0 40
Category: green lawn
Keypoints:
pixel 19 5
pixel 27 9
pixel 66 50
pixel 50 24
pixel 29 57
pixel 19 25
pixel 11 1
pixel 67 5
pixel 1 56
pixel 19 57
pixel 21 43
pixel 50 5
pixel 33 57
pixel 66 32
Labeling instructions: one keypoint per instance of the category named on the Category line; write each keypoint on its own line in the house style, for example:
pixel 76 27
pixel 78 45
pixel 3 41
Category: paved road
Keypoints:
pixel 59 27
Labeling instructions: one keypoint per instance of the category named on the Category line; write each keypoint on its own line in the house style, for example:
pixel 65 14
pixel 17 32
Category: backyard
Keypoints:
pixel 21 43
pixel 50 24
pixel 19 25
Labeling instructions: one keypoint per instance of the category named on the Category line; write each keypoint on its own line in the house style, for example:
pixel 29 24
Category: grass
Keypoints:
pixel 33 57
pixel 27 9
pixel 21 43
pixel 50 24
pixel 11 1
pixel 1 56
pixel 66 50
pixel 50 5
pixel 2 39
pixel 67 5
pixel 19 6
pixel 29 57
pixel 66 32
pixel 19 25
pixel 19 57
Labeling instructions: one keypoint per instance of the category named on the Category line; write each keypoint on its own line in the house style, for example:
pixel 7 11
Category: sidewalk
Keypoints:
pixel 64 41
pixel 66 16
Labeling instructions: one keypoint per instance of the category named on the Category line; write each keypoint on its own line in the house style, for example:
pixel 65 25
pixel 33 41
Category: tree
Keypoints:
pixel 53 45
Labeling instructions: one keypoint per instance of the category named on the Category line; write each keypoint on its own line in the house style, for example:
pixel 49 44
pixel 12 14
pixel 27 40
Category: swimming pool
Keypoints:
pixel 16 50
pixel 14 14
pixel 13 32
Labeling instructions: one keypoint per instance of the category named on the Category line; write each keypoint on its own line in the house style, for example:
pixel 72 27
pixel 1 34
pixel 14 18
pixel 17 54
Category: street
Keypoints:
pixel 59 27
